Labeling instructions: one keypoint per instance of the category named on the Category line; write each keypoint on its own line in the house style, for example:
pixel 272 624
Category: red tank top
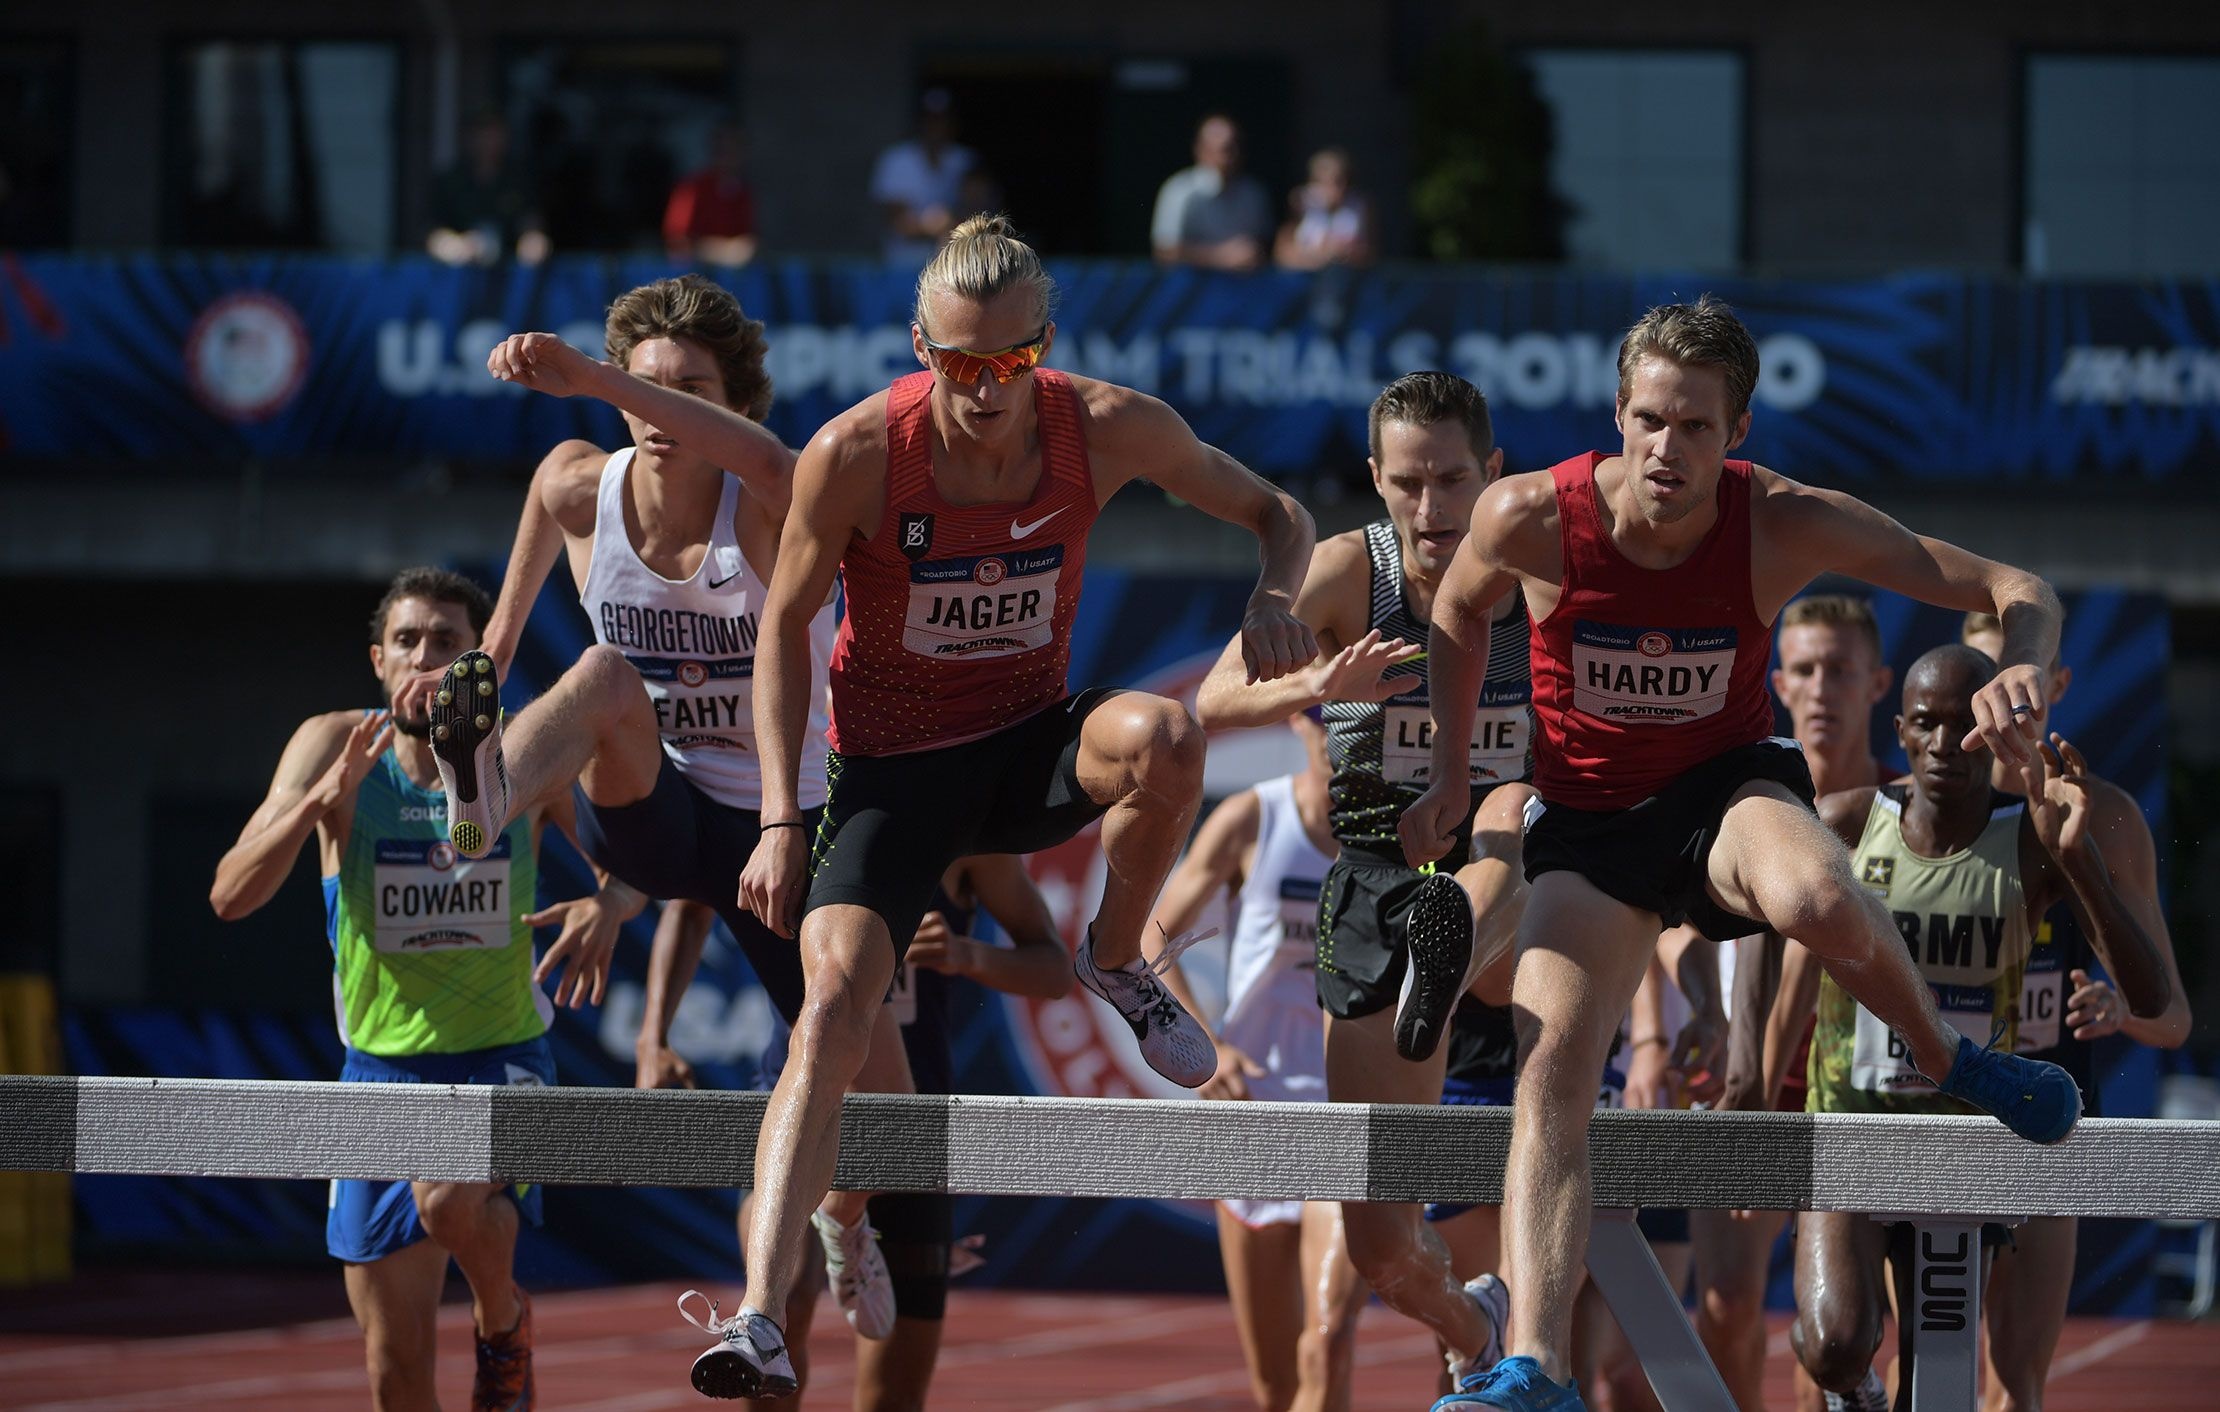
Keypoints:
pixel 959 616
pixel 1640 674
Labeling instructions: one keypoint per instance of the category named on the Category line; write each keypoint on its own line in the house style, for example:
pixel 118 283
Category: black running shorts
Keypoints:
pixel 1656 854
pixel 1362 949
pixel 893 823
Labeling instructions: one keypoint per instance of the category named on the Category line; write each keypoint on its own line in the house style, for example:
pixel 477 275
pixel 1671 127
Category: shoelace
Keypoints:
pixel 716 1327
pixel 1148 981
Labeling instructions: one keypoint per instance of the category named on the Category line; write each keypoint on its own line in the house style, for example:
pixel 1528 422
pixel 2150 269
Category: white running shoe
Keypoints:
pixel 748 1359
pixel 1172 1043
pixel 466 743
pixel 858 1273
pixel 1870 1395
pixel 1494 1299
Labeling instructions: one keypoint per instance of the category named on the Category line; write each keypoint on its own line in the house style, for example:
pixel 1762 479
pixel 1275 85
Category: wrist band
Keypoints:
pixel 1648 1039
pixel 783 824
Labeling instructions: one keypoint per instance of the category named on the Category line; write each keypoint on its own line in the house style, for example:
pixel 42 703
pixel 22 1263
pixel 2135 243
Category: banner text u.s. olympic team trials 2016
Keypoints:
pixel 1928 376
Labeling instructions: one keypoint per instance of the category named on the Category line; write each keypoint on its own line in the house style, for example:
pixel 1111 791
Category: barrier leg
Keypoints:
pixel 1946 1314
pixel 1649 1314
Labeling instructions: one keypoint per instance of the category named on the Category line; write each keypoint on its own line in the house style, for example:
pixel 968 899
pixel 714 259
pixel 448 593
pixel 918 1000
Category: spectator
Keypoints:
pixel 711 215
pixel 919 184
pixel 483 206
pixel 1329 222
pixel 1211 214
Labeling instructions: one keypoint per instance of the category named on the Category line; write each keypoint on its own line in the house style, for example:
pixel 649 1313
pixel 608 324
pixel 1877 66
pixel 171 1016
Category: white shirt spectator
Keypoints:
pixel 908 176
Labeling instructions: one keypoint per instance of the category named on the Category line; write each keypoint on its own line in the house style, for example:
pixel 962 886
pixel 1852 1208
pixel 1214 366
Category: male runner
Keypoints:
pixel 433 982
pixel 1965 871
pixel 2063 1011
pixel 1396 947
pixel 1296 1296
pixel 671 541
pixel 956 507
pixel 1653 577
pixel 1832 674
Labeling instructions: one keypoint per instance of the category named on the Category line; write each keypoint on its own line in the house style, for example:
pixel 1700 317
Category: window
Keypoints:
pixel 283 146
pixel 1648 190
pixel 609 126
pixel 34 145
pixel 2123 177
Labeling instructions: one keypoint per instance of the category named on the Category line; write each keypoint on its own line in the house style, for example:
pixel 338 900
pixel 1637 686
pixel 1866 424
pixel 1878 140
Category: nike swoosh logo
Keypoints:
pixel 1018 531
pixel 728 578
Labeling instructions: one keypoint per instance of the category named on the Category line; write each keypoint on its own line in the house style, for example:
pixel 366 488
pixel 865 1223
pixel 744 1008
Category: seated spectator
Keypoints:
pixel 1328 223
pixel 711 214
pixel 919 184
pixel 1211 214
pixel 483 206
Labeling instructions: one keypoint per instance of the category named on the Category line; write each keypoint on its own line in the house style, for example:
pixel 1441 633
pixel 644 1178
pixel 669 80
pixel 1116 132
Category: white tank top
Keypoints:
pixel 1271 975
pixel 693 643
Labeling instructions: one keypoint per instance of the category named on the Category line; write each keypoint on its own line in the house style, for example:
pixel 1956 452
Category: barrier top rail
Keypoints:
pixel 1099 1147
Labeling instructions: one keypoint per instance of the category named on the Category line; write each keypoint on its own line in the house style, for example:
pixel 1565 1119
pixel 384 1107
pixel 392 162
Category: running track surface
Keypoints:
pixel 261 1340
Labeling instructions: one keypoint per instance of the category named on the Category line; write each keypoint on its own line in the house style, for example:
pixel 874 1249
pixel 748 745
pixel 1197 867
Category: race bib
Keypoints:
pixel 2042 998
pixel 431 898
pixel 1500 737
pixel 1655 676
pixel 701 704
pixel 993 605
pixel 1880 1061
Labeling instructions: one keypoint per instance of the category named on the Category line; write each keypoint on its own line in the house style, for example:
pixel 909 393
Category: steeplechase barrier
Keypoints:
pixel 1946 1176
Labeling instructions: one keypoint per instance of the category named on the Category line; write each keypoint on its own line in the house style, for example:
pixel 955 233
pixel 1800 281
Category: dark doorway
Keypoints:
pixel 1154 108
pixel 1036 122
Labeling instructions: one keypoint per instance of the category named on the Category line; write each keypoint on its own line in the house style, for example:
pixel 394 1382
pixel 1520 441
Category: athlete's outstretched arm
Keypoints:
pixel 1807 532
pixel 1035 963
pixel 835 489
pixel 1134 437
pixel 2125 836
pixel 561 502
pixel 1353 665
pixel 322 764
pixel 1479 576
pixel 724 437
pixel 2065 817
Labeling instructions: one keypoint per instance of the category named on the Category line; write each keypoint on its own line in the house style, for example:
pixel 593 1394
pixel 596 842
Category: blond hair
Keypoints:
pixel 1836 610
pixel 981 258
pixel 692 307
pixel 1705 334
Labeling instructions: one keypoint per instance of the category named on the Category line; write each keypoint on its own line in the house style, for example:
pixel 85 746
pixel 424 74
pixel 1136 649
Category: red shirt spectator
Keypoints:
pixel 711 214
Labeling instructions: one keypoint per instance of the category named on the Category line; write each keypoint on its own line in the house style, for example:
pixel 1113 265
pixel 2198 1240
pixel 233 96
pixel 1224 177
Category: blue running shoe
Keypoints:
pixel 2035 1099
pixel 1514 1385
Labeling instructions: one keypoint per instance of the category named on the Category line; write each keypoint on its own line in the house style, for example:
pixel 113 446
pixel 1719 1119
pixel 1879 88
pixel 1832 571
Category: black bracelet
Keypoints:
pixel 783 824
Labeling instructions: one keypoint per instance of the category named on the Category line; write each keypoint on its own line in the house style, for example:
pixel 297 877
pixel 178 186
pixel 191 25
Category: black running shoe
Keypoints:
pixel 1439 934
pixel 466 743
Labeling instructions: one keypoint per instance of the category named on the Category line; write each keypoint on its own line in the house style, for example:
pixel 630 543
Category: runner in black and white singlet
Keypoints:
pixel 1397 946
pixel 1296 1296
pixel 671 541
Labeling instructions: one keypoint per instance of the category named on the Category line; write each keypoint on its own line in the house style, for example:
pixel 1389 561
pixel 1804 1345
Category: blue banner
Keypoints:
pixel 1936 376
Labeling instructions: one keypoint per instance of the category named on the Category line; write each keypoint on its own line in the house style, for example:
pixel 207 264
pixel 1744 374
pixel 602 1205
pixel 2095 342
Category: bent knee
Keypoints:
pixel 1155 738
pixel 1836 1357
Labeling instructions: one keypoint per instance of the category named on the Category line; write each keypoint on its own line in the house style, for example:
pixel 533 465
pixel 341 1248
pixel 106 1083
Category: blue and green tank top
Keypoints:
pixel 430 951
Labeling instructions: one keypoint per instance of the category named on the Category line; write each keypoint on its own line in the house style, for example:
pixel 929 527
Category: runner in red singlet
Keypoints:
pixel 1653 577
pixel 956 507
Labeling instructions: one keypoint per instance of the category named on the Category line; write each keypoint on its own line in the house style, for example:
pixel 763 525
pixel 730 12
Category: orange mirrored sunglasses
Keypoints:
pixel 968 365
